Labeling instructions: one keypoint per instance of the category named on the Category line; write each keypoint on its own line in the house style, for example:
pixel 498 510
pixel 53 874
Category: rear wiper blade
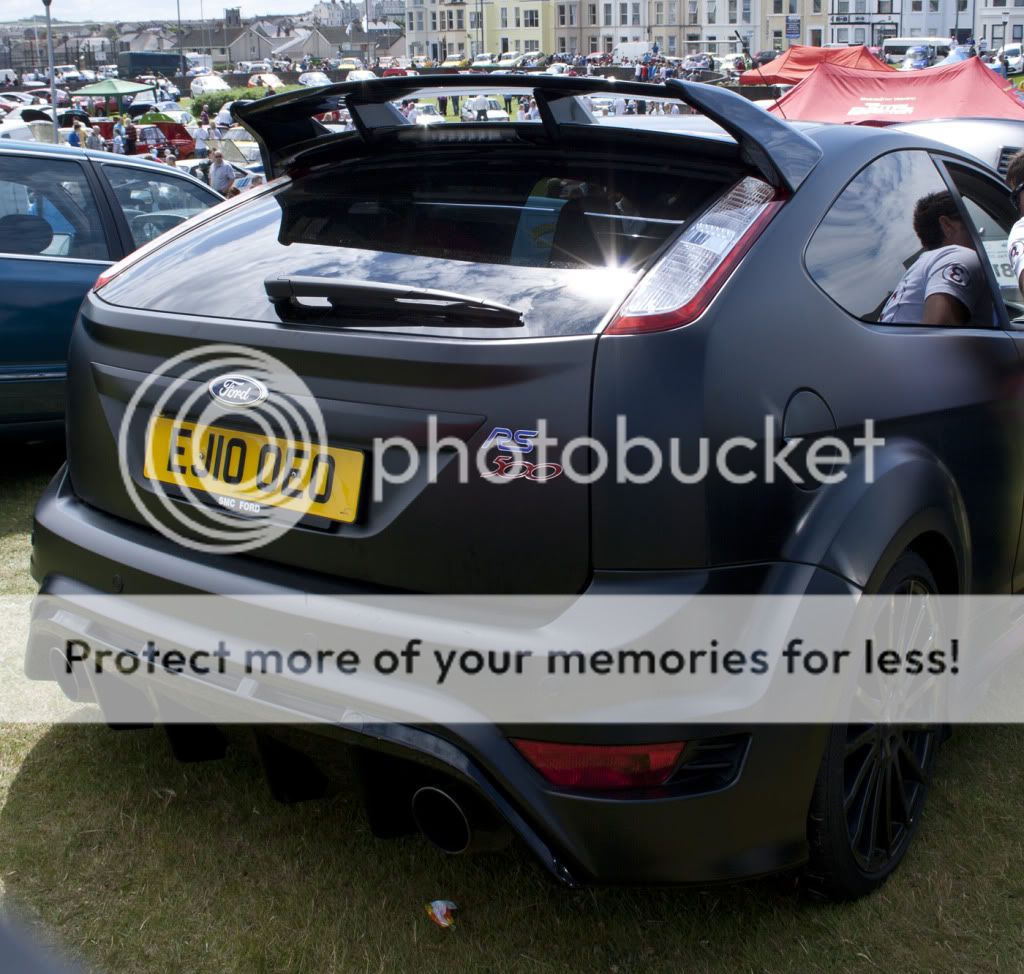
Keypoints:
pixel 411 304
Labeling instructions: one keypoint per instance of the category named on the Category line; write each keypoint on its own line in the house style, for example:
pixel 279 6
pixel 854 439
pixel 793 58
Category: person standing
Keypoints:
pixel 479 105
pixel 455 105
pixel 131 136
pixel 442 105
pixel 202 136
pixel 204 115
pixel 222 176
pixel 94 140
pixel 74 136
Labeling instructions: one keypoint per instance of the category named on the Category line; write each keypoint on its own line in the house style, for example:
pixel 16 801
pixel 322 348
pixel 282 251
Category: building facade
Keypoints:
pixel 678 27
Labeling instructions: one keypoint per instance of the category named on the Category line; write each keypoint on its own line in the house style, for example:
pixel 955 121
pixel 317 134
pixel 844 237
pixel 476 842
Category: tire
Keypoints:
pixel 851 806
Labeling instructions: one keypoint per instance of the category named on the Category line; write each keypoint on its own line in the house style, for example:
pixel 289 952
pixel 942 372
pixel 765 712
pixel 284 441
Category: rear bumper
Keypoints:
pixel 750 823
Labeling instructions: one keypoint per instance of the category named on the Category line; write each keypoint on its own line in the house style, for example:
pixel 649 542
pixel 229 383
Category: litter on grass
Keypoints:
pixel 442 912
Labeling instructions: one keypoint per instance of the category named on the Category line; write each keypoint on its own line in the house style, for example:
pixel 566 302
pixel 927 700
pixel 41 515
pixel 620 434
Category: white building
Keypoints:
pixel 998 22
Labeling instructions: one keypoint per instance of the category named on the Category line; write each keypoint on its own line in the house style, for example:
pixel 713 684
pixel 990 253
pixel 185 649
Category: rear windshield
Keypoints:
pixel 559 238
pixel 554 214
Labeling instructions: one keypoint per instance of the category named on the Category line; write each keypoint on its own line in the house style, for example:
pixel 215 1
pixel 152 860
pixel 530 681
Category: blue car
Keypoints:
pixel 65 215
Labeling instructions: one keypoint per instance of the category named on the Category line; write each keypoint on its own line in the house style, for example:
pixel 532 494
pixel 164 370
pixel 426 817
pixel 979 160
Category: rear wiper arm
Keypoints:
pixel 413 303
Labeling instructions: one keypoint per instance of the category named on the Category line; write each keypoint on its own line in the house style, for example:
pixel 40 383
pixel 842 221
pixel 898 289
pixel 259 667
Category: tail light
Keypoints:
pixel 682 283
pixel 599 767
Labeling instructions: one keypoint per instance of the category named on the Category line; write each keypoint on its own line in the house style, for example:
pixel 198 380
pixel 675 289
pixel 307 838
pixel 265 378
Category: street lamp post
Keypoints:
pixel 181 53
pixel 53 73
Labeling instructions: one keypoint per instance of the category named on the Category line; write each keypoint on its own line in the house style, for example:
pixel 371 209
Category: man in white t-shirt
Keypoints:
pixel 946 285
pixel 479 104
pixel 1015 242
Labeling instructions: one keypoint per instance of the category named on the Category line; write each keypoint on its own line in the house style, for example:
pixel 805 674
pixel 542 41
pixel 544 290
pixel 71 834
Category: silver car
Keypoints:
pixel 993 140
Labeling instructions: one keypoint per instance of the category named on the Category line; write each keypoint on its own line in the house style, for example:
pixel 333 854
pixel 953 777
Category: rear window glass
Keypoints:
pixel 545 214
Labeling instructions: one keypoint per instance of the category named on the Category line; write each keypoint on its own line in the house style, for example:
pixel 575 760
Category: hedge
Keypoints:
pixel 216 99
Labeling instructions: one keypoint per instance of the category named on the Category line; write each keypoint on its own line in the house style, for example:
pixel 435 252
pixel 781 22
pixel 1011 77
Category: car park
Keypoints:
pixel 663 285
pixel 65 215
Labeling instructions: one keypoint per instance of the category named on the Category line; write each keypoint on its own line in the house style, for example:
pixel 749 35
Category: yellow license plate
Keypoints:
pixel 249 472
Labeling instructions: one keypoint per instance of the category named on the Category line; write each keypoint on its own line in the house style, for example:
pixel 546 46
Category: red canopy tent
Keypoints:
pixel 967 89
pixel 799 61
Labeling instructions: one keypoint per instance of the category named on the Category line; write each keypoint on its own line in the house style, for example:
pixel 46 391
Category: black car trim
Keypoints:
pixel 781 153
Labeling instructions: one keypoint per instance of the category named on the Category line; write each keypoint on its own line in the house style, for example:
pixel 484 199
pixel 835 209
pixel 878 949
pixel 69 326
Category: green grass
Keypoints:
pixel 135 863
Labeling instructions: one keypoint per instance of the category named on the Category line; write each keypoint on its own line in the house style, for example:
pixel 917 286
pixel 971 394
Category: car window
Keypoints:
pixel 153 202
pixel 992 215
pixel 865 251
pixel 47 209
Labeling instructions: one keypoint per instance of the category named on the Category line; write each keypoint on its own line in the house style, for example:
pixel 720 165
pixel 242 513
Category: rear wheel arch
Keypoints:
pixel 913 503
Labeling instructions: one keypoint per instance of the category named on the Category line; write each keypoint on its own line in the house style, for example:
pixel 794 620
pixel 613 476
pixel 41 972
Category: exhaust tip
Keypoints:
pixel 441 819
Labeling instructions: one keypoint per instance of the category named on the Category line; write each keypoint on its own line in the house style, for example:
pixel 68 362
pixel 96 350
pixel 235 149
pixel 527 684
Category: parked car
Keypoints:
pixel 349 64
pixel 265 80
pixel 484 60
pixel 1014 54
pixel 457 61
pixel 509 59
pixel 207 84
pixel 314 79
pixel 65 215
pixel 43 94
pixel 664 287
pixel 360 74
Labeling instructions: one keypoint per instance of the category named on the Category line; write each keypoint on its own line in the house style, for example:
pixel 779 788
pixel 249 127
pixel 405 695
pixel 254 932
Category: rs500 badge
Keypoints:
pixel 515 468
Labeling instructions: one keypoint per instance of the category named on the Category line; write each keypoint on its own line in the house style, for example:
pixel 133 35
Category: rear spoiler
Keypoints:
pixel 284 125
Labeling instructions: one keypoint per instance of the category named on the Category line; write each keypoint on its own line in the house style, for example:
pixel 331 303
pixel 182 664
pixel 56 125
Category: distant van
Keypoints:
pixel 894 49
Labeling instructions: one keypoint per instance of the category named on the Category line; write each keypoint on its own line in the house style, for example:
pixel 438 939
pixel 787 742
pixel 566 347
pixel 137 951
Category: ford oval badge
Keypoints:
pixel 238 390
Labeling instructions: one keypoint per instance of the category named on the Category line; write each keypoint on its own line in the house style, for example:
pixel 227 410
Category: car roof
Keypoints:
pixel 15 147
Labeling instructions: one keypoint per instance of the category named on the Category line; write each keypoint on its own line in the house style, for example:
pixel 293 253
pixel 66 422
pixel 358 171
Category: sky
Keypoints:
pixel 149 9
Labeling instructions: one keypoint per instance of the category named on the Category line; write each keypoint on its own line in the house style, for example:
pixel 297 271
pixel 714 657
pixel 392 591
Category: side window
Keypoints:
pixel 993 216
pixel 894 249
pixel 153 202
pixel 47 209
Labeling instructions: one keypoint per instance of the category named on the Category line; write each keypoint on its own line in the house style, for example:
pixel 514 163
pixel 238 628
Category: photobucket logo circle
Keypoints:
pixel 230 438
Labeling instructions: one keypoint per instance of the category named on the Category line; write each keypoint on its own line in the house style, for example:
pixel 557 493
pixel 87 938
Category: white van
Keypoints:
pixel 207 84
pixel 894 49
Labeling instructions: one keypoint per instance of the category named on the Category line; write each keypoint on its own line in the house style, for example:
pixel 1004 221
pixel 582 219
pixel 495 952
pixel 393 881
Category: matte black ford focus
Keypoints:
pixel 693 281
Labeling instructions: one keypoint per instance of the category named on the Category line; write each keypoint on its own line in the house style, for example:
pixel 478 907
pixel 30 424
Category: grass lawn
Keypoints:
pixel 135 863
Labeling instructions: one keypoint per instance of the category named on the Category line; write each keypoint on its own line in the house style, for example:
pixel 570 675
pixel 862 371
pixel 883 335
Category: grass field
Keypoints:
pixel 134 863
